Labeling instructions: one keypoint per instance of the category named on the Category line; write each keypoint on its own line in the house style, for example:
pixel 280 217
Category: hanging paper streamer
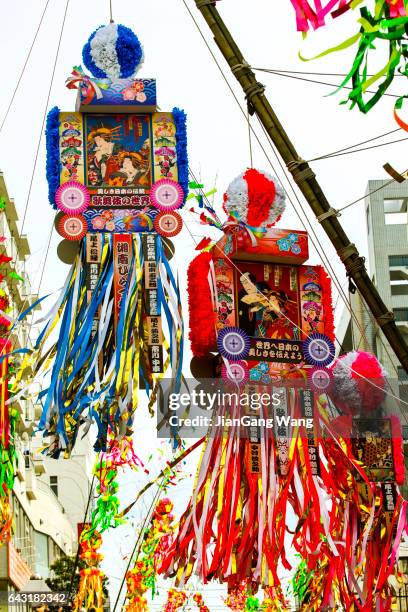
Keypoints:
pixel 175 600
pixel 8 455
pixel 90 590
pixel 106 345
pixel 383 24
pixel 199 601
pixel 119 454
pixel 156 541
pixel 313 460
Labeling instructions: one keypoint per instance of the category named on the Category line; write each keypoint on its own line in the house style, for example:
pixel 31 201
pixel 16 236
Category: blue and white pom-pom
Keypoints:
pixel 113 51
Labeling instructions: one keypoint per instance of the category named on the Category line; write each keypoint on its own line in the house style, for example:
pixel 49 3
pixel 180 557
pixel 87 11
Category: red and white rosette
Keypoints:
pixel 168 224
pixel 320 379
pixel 72 227
pixel 166 195
pixel 72 198
pixel 236 372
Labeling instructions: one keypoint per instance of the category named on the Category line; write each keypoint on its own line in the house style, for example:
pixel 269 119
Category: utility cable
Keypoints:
pixel 298 78
pixel 358 144
pixel 44 115
pixel 24 67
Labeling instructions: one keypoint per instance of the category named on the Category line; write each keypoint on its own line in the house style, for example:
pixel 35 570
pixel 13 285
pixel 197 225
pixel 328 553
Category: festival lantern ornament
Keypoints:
pixel 166 195
pixel 72 198
pixel 270 300
pixel 102 161
pixel 168 224
pixel 319 350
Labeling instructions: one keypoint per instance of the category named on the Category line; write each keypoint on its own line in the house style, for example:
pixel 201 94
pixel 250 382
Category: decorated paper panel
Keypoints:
pixel 118 155
pixel 71 148
pixel 267 300
pixel 164 147
pixel 311 300
pixel 224 275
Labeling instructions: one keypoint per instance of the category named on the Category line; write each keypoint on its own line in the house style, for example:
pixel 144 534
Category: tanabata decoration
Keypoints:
pixel 8 455
pixel 382 23
pixel 261 311
pixel 175 600
pixel 119 454
pixel 90 590
pixel 199 601
pixel 156 541
pixel 119 312
pixel 237 596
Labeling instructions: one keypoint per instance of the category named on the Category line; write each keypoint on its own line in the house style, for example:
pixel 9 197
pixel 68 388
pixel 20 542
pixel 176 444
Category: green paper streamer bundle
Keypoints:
pixel 301 580
pixel 375 27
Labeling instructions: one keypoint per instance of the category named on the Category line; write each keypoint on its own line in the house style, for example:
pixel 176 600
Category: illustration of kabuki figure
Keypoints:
pixel 264 312
pixel 110 164
pixel 311 314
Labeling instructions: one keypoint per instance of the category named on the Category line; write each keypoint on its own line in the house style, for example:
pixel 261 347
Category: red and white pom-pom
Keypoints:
pixel 256 198
pixel 358 383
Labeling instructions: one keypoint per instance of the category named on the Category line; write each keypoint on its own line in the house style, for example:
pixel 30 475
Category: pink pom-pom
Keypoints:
pixel 358 383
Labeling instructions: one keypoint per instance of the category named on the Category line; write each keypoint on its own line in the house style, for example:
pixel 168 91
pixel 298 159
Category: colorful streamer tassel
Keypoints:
pixel 156 541
pixel 348 528
pixel 8 455
pixel 90 590
pixel 102 354
pixel 175 600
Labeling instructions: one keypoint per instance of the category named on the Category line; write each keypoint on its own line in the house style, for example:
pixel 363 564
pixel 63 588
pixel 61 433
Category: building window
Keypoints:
pixel 368 219
pixel 27 459
pixel 395 211
pixel 401 314
pixel 398 260
pixel 54 484
pixel 402 374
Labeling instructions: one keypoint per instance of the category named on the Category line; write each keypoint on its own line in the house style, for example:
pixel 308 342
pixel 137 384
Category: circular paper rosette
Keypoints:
pixel 318 350
pixel 168 224
pixel 72 227
pixel 166 195
pixel 113 51
pixel 233 343
pixel 237 372
pixel 320 379
pixel 72 198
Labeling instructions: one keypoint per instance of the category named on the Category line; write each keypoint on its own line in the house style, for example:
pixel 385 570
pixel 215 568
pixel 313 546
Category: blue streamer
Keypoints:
pixel 53 164
pixel 180 121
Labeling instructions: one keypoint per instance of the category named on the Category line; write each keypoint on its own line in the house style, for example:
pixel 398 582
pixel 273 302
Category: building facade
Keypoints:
pixel 43 529
pixel 387 236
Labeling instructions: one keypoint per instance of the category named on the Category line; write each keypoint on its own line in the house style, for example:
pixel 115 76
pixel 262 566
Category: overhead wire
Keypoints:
pixel 24 67
pixel 298 78
pixel 358 144
pixel 331 155
pixel 321 252
pixel 44 115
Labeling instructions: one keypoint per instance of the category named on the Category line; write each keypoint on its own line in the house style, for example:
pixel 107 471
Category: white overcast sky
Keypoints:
pixel 218 137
